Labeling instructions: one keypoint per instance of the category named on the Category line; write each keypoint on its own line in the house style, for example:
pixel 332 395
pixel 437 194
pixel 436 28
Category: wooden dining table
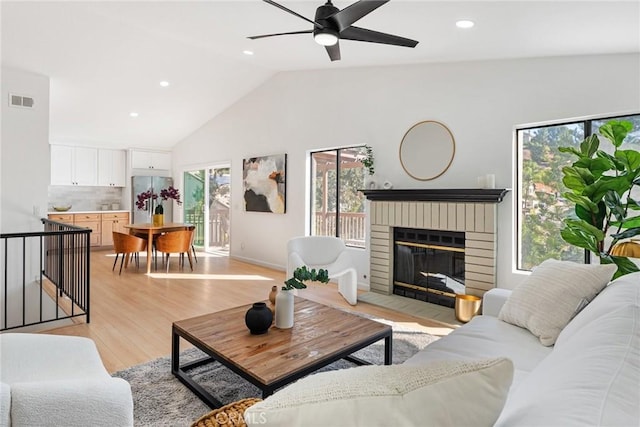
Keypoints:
pixel 149 230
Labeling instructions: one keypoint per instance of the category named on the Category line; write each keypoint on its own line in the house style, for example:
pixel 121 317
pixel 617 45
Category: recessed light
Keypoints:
pixel 248 52
pixel 164 83
pixel 133 114
pixel 465 23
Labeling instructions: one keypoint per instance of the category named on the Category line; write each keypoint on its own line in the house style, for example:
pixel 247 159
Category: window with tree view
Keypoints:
pixel 337 207
pixel 542 206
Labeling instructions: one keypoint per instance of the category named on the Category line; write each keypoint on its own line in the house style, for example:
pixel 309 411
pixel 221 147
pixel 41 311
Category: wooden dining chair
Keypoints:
pixel 174 242
pixel 125 245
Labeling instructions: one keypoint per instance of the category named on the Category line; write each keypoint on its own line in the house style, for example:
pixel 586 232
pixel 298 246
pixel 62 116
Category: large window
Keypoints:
pixel 541 207
pixel 337 207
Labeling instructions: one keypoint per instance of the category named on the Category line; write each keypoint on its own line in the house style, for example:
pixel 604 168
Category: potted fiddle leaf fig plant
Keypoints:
pixel 600 185
pixel 284 298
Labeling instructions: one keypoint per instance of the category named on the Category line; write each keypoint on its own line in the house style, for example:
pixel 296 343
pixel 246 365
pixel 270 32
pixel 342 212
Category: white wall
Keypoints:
pixel 24 172
pixel 24 158
pixel 480 102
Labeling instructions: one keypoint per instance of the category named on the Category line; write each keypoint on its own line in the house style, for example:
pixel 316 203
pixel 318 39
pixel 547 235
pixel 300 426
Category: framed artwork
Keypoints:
pixel 265 184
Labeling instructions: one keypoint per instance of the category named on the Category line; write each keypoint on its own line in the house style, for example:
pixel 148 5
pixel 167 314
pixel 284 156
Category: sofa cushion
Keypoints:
pixel 72 403
pixel 625 290
pixel 443 393
pixel 5 404
pixel 75 358
pixel 592 379
pixel 554 292
pixel 486 337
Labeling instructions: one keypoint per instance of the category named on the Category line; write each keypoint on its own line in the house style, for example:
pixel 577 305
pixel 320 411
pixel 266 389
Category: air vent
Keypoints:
pixel 20 101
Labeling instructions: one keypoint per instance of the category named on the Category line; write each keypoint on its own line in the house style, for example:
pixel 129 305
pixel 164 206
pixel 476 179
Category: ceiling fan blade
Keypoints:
pixel 364 35
pixel 352 13
pixel 280 34
pixel 279 6
pixel 334 52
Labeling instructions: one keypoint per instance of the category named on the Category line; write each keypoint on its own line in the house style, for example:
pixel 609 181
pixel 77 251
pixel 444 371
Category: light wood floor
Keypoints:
pixel 132 313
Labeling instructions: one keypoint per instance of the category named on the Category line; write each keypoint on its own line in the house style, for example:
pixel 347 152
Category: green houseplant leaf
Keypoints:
pixel 616 131
pixel 599 185
pixel 625 265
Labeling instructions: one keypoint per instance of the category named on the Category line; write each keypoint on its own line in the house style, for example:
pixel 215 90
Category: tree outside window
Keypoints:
pixel 541 206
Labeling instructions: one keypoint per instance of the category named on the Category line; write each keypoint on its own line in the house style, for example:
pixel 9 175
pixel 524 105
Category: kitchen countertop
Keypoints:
pixel 87 212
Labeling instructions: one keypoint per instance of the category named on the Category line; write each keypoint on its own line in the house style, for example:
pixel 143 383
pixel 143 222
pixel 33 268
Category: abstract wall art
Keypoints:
pixel 265 184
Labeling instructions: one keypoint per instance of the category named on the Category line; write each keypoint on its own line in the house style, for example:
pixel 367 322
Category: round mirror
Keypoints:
pixel 427 150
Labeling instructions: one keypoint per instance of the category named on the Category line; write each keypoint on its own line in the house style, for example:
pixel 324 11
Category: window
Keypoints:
pixel 337 207
pixel 541 206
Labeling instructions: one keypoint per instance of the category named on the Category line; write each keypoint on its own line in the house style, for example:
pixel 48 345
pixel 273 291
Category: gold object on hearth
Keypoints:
pixel 466 307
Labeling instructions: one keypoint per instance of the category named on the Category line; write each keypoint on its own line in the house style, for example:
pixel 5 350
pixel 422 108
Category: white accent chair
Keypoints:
pixel 329 253
pixel 53 380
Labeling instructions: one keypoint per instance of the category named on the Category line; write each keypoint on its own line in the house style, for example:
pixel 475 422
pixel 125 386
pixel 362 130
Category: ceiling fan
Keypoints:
pixel 331 24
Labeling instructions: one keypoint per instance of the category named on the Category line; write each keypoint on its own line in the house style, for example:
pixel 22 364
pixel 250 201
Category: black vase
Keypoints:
pixel 159 210
pixel 258 318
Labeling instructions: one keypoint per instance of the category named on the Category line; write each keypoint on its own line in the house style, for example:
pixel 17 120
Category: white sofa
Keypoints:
pixel 51 380
pixel 590 377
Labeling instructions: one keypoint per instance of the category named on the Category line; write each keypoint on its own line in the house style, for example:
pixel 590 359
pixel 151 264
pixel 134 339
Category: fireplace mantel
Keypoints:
pixel 463 195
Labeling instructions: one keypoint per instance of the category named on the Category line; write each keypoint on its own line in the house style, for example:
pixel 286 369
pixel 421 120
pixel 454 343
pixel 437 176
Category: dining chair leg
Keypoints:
pixel 190 261
pixel 193 248
pixel 168 254
pixel 122 262
pixel 114 262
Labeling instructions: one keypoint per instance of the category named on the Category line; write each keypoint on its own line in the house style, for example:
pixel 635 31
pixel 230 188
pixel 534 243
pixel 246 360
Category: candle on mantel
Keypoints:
pixel 490 181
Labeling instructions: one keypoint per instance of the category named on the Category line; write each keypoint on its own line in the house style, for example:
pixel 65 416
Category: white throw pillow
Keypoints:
pixel 443 393
pixel 554 292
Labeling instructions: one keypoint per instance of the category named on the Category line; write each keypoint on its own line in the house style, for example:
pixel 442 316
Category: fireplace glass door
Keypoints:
pixel 429 265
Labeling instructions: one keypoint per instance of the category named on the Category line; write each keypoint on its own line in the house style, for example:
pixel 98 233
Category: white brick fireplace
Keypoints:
pixel 472 211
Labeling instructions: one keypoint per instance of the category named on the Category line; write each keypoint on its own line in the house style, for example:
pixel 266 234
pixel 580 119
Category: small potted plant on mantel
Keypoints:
pixel 368 162
pixel 284 298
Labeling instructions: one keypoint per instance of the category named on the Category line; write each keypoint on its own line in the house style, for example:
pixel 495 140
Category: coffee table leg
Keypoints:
pixel 175 352
pixel 184 378
pixel 388 350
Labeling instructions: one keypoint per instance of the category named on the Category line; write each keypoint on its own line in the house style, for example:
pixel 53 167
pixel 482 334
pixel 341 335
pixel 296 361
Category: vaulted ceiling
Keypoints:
pixel 106 59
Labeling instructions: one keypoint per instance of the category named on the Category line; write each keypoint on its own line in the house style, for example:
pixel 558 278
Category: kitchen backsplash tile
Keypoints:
pixel 84 198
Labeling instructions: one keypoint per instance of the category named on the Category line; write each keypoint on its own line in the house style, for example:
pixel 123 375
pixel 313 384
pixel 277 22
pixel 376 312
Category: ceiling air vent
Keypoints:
pixel 20 101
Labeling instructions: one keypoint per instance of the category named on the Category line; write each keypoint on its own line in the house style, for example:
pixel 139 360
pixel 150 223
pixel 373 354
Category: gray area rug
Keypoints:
pixel 161 400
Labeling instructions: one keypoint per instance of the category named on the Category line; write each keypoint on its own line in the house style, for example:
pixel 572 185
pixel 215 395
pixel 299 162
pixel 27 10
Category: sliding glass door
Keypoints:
pixel 206 205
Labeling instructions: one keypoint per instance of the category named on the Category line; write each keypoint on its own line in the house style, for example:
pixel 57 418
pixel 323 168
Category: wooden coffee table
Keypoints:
pixel 320 336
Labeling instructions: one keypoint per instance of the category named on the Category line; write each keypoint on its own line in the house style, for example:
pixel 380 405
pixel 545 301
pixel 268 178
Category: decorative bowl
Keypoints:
pixel 62 208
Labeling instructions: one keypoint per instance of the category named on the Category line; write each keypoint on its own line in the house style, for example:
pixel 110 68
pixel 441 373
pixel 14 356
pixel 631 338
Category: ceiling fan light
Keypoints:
pixel 325 38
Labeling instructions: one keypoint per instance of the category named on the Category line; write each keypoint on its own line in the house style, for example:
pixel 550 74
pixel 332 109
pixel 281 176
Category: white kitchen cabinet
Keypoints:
pixel 111 168
pixel 74 165
pixel 141 159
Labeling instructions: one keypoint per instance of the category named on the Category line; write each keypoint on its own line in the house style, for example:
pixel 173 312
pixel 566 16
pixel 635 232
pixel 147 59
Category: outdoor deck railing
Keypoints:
pixel 352 227
pixel 218 225
pixel 45 275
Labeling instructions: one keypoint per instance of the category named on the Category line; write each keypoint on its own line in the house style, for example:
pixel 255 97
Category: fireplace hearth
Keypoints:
pixel 429 265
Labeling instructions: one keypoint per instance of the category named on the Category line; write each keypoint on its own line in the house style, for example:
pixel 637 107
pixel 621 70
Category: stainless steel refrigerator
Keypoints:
pixel 140 184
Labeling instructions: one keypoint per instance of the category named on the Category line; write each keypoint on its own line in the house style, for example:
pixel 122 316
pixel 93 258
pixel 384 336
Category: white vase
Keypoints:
pixel 369 182
pixel 284 309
